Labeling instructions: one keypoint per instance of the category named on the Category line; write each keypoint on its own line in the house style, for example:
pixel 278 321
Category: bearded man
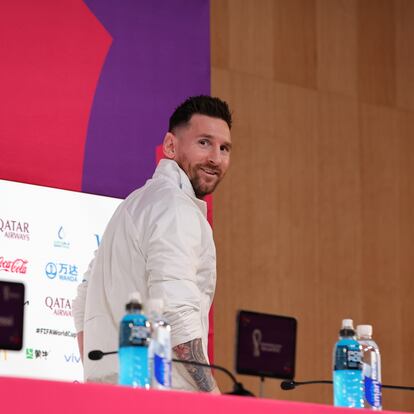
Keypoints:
pixel 159 243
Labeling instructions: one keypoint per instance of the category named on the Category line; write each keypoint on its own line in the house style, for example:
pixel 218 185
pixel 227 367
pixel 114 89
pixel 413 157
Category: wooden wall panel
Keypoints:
pixel 376 51
pixel 219 19
pixel 337 51
pixel 295 182
pixel 405 53
pixel 284 236
pixel 253 101
pixel 339 216
pixel 406 245
pixel 380 266
pixel 294 40
pixel 249 44
pixel 316 216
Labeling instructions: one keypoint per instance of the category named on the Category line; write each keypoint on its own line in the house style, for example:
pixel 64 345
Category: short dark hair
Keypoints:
pixel 203 105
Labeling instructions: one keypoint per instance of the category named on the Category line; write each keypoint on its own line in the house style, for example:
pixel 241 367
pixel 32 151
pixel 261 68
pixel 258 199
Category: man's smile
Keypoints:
pixel 209 171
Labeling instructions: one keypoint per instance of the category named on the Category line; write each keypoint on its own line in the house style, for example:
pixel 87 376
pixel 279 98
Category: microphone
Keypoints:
pixel 290 385
pixel 97 354
pixel 238 388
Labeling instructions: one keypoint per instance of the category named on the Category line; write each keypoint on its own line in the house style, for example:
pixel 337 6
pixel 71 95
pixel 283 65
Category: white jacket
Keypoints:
pixel 159 243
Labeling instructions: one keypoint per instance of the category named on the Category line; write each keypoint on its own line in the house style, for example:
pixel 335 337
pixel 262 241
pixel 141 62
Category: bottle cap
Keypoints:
pixel 135 297
pixel 347 324
pixel 364 330
pixel 154 308
pixel 134 302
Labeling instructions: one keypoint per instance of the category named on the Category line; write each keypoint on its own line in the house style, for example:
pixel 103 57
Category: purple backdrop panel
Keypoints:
pixel 160 55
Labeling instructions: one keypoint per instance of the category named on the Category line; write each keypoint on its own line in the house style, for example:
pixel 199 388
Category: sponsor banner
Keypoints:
pixel 72 358
pixel 56 332
pixel 33 353
pixel 13 229
pixel 63 230
pixel 61 241
pixel 15 265
pixel 59 306
pixel 98 238
pixel 63 271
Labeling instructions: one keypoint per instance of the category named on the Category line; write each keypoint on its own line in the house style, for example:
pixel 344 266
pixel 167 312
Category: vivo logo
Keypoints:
pixel 72 358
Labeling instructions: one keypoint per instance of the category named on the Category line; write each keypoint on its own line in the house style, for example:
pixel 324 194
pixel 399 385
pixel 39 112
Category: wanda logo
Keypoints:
pixel 13 266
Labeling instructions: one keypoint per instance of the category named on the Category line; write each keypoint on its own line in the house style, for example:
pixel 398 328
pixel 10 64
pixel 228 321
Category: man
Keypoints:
pixel 159 243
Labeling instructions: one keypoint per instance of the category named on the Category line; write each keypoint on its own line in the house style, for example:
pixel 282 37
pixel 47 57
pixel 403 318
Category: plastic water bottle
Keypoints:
pixel 134 339
pixel 347 369
pixel 371 367
pixel 159 353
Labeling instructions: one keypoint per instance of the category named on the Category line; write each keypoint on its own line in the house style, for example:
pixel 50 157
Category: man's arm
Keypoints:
pixel 78 306
pixel 79 337
pixel 174 248
pixel 78 312
pixel 193 351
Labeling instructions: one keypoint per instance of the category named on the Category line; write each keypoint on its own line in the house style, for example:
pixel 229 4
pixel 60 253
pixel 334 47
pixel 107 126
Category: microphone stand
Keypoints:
pixel 290 385
pixel 238 388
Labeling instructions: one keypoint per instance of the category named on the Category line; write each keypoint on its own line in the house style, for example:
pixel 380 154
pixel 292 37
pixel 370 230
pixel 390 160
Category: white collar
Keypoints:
pixel 170 170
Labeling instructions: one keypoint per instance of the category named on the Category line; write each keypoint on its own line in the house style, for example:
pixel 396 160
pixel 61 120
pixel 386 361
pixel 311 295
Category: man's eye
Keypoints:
pixel 225 149
pixel 203 142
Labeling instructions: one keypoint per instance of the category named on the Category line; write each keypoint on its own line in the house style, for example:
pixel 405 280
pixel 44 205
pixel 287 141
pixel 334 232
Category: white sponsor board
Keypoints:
pixel 47 239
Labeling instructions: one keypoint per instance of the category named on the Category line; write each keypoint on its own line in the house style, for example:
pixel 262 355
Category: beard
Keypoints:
pixel 202 189
pixel 200 186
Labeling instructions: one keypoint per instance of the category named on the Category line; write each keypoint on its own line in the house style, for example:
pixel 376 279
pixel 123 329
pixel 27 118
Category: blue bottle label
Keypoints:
pixel 373 392
pixel 348 357
pixel 139 334
pixel 162 371
pixel 134 335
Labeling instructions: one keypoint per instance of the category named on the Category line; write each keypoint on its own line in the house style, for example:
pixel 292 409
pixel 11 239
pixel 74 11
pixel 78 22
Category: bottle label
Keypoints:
pixel 139 335
pixel 133 335
pixel 162 371
pixel 373 392
pixel 348 357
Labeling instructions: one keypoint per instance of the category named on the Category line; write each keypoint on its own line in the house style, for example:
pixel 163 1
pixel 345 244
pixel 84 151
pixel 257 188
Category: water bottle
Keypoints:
pixel 371 368
pixel 159 353
pixel 347 369
pixel 134 339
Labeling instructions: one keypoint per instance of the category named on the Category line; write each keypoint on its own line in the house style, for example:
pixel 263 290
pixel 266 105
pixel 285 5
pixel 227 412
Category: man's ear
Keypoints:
pixel 169 145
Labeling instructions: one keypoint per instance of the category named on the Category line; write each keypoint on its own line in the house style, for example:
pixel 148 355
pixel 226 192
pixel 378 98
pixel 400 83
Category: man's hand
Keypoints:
pixel 193 351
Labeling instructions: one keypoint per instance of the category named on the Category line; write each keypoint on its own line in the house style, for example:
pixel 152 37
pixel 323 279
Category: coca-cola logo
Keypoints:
pixel 13 266
pixel 59 306
pixel 14 229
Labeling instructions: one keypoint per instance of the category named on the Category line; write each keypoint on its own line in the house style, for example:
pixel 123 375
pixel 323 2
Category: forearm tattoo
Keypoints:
pixel 193 351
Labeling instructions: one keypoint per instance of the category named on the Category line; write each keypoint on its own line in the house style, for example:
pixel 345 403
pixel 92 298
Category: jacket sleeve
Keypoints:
pixel 78 304
pixel 173 251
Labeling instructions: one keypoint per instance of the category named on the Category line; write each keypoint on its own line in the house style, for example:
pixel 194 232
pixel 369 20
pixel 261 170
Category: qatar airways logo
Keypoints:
pixel 59 306
pixel 13 229
pixel 18 266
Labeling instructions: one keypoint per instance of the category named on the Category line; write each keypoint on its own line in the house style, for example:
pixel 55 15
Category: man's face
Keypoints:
pixel 202 149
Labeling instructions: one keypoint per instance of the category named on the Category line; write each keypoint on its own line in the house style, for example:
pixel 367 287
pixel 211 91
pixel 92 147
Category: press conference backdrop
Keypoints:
pixel 47 239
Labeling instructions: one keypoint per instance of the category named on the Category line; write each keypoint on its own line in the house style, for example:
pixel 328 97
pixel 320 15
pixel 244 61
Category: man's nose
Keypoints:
pixel 215 156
